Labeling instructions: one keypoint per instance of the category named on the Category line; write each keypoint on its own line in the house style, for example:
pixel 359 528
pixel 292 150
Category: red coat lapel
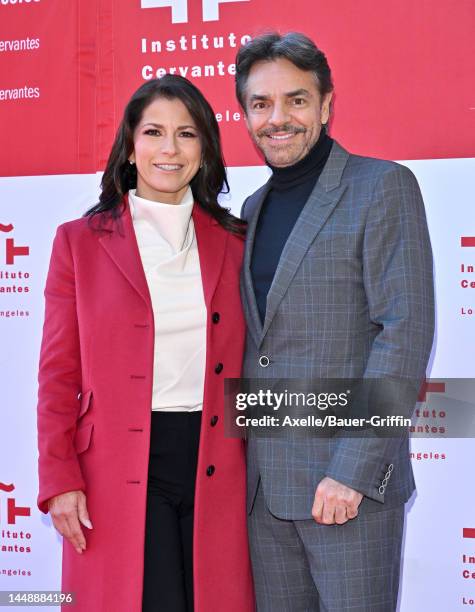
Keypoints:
pixel 211 239
pixel 121 245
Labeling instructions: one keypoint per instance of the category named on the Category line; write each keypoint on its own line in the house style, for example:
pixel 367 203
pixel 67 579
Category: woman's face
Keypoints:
pixel 167 151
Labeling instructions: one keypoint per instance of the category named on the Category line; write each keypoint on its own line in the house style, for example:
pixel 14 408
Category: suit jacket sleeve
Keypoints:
pixel 59 379
pixel 398 279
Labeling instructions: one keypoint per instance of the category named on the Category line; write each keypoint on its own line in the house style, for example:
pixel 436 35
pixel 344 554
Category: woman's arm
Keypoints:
pixel 61 484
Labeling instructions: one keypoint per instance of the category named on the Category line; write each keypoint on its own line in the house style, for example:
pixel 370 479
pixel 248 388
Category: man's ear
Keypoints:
pixel 325 108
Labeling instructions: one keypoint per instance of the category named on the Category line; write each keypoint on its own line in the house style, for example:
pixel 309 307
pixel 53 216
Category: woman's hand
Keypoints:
pixel 68 511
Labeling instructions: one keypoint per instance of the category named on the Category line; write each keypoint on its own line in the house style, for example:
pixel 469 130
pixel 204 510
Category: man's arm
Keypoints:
pixel 398 278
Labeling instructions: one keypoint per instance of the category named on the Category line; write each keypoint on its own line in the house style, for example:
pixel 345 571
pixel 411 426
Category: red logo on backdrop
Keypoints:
pixel 13 511
pixel 179 8
pixel 12 541
pixel 11 249
pixel 430 387
pixel 12 281
pixel 467 283
pixel 429 421
pixel 468 560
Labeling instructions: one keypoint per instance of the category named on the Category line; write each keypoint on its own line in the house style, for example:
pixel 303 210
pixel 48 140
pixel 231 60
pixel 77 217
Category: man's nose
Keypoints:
pixel 279 115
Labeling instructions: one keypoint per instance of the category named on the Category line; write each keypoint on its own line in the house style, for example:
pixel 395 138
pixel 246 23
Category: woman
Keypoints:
pixel 143 322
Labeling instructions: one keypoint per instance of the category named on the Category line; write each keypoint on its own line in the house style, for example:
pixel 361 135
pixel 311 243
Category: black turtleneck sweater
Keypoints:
pixel 290 189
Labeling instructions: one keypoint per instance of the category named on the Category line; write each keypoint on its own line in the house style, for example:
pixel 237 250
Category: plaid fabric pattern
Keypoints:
pixel 301 566
pixel 352 297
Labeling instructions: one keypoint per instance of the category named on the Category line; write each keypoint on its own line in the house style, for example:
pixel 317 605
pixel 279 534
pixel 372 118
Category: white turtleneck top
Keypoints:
pixel 169 251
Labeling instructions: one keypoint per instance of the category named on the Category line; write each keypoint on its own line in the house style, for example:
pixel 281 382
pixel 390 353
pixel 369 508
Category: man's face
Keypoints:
pixel 284 110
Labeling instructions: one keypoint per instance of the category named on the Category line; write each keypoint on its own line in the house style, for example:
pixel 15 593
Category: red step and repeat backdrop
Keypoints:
pixel 404 90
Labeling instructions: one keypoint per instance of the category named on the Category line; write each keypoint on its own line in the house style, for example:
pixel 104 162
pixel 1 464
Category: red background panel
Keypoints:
pixel 40 135
pixel 402 72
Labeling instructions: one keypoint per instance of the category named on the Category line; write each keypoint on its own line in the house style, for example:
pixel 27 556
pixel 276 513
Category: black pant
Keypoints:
pixel 168 570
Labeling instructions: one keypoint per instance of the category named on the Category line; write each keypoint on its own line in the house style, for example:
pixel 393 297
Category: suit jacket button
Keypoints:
pixel 218 368
pixel 264 361
pixel 210 470
pixel 215 317
pixel 214 420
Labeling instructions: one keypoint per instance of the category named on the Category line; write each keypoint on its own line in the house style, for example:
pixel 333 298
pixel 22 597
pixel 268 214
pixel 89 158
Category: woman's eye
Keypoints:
pixel 188 134
pixel 152 132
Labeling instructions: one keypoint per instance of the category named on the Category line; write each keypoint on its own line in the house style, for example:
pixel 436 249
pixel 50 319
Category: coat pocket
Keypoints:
pixel 82 439
pixel 85 403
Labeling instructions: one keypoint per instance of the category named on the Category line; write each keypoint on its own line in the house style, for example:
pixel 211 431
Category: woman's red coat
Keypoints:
pixel 95 393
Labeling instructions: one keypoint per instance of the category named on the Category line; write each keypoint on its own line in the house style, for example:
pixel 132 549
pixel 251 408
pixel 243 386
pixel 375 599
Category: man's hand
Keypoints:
pixel 68 510
pixel 335 502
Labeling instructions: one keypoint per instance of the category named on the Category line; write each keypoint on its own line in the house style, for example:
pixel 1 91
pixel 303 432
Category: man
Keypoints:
pixel 337 283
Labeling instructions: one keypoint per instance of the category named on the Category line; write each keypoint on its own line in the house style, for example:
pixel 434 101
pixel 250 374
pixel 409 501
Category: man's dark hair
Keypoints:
pixel 293 46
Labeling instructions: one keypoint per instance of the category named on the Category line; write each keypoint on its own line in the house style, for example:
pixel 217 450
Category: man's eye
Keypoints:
pixel 299 101
pixel 259 105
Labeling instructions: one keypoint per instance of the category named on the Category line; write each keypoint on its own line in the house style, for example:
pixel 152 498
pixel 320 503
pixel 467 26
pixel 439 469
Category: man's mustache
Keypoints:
pixel 289 129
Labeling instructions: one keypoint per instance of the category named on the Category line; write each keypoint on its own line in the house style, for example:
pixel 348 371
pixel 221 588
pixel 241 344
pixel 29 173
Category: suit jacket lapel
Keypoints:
pixel 252 315
pixel 211 239
pixel 121 245
pixel 321 203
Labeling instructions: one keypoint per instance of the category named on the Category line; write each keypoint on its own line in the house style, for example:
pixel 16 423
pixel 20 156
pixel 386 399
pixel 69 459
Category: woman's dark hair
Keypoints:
pixel 210 180
pixel 293 46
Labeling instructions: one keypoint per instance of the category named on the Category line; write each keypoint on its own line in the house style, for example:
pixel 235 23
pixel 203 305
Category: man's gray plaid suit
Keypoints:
pixel 352 297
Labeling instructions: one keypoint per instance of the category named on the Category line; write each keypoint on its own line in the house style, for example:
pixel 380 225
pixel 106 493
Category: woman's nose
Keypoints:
pixel 169 145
